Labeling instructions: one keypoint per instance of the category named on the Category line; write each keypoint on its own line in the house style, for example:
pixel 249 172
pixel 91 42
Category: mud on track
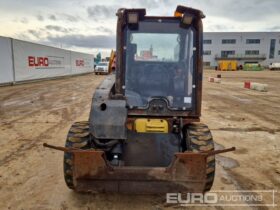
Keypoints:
pixel 31 176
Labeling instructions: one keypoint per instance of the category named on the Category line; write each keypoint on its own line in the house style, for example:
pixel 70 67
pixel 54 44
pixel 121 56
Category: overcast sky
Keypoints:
pixel 90 25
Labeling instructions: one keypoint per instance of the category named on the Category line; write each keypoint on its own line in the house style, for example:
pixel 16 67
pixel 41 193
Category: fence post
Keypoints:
pixel 13 61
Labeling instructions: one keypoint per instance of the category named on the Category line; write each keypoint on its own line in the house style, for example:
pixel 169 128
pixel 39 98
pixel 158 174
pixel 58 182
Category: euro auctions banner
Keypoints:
pixel 34 61
pixel 6 61
pixel 81 63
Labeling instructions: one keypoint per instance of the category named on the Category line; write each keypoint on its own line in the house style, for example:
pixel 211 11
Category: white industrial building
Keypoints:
pixel 245 47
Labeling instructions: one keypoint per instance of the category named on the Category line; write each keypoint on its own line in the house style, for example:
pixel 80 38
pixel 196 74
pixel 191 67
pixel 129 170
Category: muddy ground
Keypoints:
pixel 30 114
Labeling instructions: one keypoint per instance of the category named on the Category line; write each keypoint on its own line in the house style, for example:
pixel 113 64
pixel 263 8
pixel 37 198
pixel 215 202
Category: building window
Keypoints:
pixel 207 52
pixel 207 41
pixel 252 52
pixel 279 52
pixel 226 54
pixel 253 41
pixel 229 41
pixel 272 48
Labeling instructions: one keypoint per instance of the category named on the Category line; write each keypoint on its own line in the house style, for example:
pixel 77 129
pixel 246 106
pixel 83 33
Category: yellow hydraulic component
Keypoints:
pixel 151 126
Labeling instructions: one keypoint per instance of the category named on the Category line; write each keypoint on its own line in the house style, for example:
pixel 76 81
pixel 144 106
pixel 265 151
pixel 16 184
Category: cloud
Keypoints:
pixel 273 28
pixel 70 18
pixel 24 20
pixel 40 17
pixel 35 33
pixel 154 3
pixel 104 29
pixel 48 21
pixel 52 17
pixel 239 10
pixel 61 17
pixel 102 11
pixel 23 36
pixel 148 3
pixel 91 41
pixel 58 28
pixel 219 27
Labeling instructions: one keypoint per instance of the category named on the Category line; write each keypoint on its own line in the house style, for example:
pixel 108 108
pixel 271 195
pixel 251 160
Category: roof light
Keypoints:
pixel 132 18
pixel 187 19
pixel 178 14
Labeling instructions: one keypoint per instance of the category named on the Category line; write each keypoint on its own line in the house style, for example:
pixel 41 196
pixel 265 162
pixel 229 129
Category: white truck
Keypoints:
pixel 274 66
pixel 102 68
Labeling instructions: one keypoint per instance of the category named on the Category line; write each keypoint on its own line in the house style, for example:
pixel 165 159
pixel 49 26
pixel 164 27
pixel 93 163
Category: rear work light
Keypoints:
pixel 187 19
pixel 133 18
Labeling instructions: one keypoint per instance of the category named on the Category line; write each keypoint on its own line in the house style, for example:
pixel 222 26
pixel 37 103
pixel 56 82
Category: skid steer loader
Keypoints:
pixel 143 134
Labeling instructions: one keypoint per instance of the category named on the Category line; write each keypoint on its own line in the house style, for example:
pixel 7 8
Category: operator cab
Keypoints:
pixel 159 62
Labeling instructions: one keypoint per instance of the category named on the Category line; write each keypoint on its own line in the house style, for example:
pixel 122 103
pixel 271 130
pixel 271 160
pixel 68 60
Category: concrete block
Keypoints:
pixel 256 86
pixel 214 80
pixel 211 79
pixel 259 87
pixel 247 85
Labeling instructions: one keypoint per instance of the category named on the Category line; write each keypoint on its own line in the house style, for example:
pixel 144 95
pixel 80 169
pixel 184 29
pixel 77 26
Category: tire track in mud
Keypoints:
pixel 251 129
pixel 260 114
pixel 243 183
pixel 253 111
pixel 23 148
pixel 46 119
pixel 240 183
pixel 7 112
pixel 30 112
pixel 66 116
